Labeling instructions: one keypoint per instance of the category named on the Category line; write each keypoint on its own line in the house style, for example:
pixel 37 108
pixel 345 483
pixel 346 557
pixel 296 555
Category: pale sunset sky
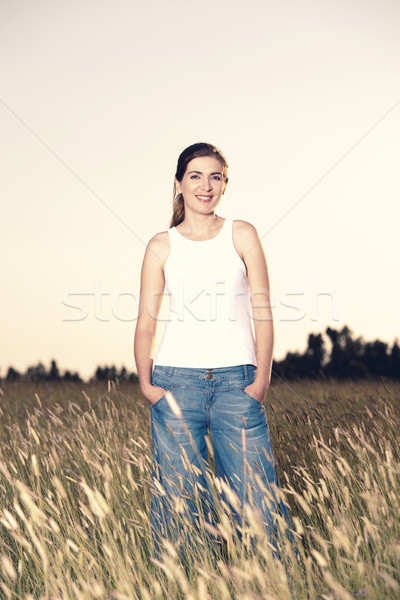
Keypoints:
pixel 98 99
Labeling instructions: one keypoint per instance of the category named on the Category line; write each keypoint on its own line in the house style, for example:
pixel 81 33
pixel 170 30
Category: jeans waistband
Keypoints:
pixel 242 372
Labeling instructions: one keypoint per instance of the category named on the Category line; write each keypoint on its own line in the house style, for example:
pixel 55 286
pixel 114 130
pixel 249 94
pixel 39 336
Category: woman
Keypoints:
pixel 210 372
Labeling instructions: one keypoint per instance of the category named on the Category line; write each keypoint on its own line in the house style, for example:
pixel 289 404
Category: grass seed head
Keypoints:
pixel 8 567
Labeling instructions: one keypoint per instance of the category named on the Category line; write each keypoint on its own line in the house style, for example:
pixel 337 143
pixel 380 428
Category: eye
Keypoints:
pixel 194 177
pixel 217 177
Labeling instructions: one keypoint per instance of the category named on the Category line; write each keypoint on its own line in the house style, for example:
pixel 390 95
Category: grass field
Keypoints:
pixel 75 485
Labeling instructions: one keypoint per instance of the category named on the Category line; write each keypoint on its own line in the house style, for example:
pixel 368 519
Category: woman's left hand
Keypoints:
pixel 257 391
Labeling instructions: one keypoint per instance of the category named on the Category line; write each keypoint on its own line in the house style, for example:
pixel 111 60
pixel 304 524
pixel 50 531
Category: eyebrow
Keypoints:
pixel 200 173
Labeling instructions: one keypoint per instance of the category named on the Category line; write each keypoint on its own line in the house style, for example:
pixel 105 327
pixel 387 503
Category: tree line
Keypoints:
pixel 39 373
pixel 346 358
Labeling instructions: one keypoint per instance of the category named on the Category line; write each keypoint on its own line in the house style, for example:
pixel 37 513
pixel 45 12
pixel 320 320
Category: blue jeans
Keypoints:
pixel 211 400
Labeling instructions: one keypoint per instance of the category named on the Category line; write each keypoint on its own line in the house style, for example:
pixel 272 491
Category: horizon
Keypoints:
pixel 327 343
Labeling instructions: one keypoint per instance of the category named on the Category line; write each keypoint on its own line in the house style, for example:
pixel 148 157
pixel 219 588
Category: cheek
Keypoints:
pixel 220 189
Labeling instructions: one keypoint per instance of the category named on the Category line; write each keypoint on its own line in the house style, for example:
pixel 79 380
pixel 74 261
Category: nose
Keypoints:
pixel 206 185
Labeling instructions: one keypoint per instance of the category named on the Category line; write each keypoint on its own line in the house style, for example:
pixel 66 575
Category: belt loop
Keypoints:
pixel 245 373
pixel 170 371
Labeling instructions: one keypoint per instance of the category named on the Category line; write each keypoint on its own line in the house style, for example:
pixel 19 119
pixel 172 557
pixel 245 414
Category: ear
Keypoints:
pixel 177 186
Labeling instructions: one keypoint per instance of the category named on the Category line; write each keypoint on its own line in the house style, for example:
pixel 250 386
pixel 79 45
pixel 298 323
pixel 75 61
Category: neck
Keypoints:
pixel 193 222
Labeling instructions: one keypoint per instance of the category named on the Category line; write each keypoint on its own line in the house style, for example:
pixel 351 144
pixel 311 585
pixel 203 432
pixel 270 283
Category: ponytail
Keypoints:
pixel 178 209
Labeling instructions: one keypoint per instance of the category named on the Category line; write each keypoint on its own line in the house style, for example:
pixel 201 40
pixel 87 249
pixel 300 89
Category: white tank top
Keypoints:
pixel 209 324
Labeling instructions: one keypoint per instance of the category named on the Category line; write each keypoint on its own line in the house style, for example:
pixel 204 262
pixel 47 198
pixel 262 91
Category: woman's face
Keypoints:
pixel 202 185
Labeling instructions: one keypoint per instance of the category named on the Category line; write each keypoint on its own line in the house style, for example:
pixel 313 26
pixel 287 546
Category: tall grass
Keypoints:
pixel 76 479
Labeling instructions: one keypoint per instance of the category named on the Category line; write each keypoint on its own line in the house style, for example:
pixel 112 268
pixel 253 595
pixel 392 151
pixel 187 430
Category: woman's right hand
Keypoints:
pixel 153 393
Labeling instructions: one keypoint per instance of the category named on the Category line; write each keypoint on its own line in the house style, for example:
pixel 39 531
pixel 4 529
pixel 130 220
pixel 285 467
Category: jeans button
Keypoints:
pixel 209 375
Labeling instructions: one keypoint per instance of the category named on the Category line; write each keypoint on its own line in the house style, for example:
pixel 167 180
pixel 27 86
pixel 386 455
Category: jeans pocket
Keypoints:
pixel 251 397
pixel 155 404
pixel 159 381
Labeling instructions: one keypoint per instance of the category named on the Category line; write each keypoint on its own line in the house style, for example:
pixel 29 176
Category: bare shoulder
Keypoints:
pixel 158 248
pixel 244 229
pixel 245 236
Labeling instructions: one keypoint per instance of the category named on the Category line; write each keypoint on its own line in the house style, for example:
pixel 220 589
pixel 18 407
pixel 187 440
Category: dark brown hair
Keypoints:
pixel 191 152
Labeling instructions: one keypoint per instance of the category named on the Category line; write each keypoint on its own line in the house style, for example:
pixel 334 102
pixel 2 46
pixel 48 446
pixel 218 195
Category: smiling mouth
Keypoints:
pixel 204 198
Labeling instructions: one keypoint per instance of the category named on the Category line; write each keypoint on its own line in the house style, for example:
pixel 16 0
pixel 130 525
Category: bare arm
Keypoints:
pixel 250 249
pixel 151 290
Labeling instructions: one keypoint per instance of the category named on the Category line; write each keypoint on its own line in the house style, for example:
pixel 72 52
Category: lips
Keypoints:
pixel 204 198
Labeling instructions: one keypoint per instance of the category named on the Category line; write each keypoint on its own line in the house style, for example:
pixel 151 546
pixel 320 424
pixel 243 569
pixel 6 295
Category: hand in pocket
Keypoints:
pixel 155 393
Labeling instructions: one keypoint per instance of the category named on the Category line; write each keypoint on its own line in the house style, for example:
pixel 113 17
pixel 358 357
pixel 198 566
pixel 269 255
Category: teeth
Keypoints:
pixel 204 197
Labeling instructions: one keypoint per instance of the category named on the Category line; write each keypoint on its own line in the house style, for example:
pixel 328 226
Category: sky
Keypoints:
pixel 97 101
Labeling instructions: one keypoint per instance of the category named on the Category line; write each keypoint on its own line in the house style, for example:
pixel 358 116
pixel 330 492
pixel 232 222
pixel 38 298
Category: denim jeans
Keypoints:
pixel 214 401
